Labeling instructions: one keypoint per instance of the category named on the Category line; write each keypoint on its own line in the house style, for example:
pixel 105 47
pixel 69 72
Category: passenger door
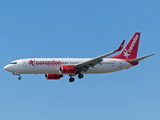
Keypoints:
pixel 24 63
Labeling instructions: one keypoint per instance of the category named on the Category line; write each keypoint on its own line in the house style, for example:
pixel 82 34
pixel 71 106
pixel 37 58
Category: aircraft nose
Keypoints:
pixel 8 68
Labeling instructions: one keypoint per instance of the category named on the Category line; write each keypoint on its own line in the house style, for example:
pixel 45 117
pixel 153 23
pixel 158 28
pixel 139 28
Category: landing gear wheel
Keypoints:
pixel 71 79
pixel 19 78
pixel 80 76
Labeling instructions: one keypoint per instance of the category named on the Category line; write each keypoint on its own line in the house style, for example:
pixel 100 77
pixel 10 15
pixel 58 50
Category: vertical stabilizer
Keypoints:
pixel 131 49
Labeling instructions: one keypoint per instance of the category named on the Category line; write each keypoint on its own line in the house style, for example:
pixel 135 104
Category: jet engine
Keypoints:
pixel 53 76
pixel 67 69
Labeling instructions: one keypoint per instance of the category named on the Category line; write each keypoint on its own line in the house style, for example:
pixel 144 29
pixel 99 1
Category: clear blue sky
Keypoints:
pixel 77 29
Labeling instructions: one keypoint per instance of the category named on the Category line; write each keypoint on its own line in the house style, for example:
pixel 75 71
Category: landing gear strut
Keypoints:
pixel 71 79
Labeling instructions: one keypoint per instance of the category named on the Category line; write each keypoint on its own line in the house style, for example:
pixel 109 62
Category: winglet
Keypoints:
pixel 121 46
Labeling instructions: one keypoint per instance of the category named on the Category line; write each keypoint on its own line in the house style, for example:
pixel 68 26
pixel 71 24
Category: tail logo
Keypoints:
pixel 126 52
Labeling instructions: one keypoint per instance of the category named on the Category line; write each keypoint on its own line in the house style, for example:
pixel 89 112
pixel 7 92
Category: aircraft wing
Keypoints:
pixel 84 66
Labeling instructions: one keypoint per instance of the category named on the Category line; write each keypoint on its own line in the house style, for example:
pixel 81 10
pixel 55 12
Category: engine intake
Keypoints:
pixel 67 69
pixel 53 76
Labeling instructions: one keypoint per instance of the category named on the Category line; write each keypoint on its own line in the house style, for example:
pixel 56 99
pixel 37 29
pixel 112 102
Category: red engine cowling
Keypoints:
pixel 53 76
pixel 67 69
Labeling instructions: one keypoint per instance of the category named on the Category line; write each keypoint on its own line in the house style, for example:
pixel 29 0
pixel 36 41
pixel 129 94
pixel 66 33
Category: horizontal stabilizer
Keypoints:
pixel 141 58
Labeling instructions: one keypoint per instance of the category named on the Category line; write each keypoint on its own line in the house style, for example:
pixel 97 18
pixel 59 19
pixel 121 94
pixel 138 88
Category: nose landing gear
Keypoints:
pixel 19 78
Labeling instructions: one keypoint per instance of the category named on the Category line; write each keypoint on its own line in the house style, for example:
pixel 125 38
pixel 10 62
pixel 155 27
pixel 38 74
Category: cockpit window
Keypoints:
pixel 13 63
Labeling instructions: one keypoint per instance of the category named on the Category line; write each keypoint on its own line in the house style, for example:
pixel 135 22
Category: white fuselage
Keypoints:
pixel 55 68
pixel 52 65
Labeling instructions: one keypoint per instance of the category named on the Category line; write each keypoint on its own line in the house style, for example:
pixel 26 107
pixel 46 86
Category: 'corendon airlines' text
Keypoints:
pixel 133 43
pixel 36 62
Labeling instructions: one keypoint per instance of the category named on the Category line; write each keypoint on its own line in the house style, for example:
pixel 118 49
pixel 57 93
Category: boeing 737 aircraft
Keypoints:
pixel 55 68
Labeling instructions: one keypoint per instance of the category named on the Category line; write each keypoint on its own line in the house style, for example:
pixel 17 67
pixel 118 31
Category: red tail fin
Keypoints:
pixel 131 49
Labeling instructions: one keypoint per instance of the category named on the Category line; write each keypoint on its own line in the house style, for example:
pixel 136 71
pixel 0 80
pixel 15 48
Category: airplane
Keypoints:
pixel 56 68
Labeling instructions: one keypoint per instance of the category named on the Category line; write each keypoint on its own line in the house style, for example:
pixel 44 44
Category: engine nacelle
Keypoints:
pixel 66 69
pixel 53 76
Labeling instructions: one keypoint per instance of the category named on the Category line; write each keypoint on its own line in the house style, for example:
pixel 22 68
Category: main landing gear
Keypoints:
pixel 80 76
pixel 71 79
